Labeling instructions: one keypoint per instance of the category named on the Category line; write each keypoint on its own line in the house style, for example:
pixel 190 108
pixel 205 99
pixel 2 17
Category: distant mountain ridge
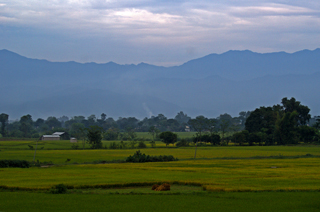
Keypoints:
pixel 211 85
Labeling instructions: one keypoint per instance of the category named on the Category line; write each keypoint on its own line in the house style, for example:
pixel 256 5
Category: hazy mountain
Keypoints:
pixel 215 84
pixel 242 65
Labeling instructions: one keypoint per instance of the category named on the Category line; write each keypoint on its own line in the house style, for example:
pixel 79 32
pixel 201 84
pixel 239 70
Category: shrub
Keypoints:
pixel 59 189
pixel 168 137
pixel 113 145
pixel 153 144
pixel 75 146
pixel 138 157
pixel 122 145
pixel 141 144
pixel 182 142
pixel 132 144
pixel 14 163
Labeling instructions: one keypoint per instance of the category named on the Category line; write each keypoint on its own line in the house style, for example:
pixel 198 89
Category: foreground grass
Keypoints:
pixel 214 175
pixel 261 201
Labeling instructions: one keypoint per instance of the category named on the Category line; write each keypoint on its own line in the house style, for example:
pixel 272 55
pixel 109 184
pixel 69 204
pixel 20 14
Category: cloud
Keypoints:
pixel 152 26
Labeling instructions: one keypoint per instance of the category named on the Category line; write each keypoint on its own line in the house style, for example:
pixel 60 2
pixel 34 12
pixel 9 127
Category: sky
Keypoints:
pixel 157 32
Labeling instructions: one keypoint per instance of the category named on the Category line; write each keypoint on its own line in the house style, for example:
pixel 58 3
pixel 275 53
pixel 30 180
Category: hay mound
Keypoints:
pixel 155 186
pixel 163 187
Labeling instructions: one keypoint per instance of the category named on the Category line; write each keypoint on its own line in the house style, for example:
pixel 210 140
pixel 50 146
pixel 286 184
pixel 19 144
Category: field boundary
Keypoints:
pixel 205 187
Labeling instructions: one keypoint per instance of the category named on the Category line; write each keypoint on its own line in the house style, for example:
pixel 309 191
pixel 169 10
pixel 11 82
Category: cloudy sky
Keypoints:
pixel 153 31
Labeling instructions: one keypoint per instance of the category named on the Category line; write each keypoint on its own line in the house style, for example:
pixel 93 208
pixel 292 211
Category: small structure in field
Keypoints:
pixel 163 187
pixel 50 137
pixel 63 135
pixel 55 136
pixel 187 129
pixel 73 140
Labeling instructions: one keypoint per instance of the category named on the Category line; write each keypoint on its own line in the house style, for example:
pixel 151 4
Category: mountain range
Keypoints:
pixel 231 82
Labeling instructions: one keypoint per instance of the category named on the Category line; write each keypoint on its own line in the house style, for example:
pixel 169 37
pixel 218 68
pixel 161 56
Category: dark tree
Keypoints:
pixel 292 105
pixel 286 130
pixel 262 118
pixel 317 124
pixel 153 131
pixel 53 122
pixel 39 122
pixel 224 125
pixel 308 134
pixel 4 122
pixel 199 124
pixel 168 137
pixel 103 116
pixel 26 125
pixel 240 137
pixel 215 139
pixel 182 118
pixel 94 135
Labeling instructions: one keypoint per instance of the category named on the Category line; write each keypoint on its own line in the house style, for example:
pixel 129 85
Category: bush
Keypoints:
pixel 141 144
pixel 138 157
pixel 132 144
pixel 113 145
pixel 153 144
pixel 122 145
pixel 59 189
pixel 75 146
pixel 168 137
pixel 14 163
pixel 182 142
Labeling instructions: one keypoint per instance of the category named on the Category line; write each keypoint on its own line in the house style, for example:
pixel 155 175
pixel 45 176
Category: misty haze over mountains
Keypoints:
pixel 231 82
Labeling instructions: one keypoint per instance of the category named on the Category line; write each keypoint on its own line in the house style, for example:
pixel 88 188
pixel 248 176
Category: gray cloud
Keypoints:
pixel 158 32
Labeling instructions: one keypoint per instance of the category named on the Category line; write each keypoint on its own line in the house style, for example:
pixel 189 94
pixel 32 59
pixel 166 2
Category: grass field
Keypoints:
pixel 228 175
pixel 232 178
pixel 51 152
pixel 244 201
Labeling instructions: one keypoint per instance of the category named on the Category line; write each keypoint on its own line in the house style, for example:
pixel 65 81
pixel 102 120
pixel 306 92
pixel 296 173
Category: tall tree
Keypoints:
pixel 168 137
pixel 317 124
pixel 224 125
pixel 94 135
pixel 4 122
pixel 26 124
pixel 291 105
pixel 286 132
pixel 152 131
pixel 199 124
pixel 53 122
pixel 182 117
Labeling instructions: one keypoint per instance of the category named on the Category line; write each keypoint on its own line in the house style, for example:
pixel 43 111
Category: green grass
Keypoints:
pixel 262 201
pixel 175 189
pixel 89 155
pixel 262 170
pixel 215 175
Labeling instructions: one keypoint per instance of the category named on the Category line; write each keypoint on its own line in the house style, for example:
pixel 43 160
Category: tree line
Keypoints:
pixel 120 129
pixel 285 123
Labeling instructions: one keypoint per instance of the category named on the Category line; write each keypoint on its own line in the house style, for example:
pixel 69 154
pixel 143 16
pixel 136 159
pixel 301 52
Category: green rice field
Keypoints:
pixel 222 178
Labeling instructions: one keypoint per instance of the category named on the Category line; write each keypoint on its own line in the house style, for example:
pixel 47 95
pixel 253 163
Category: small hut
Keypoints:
pixel 73 140
pixel 50 137
pixel 63 135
